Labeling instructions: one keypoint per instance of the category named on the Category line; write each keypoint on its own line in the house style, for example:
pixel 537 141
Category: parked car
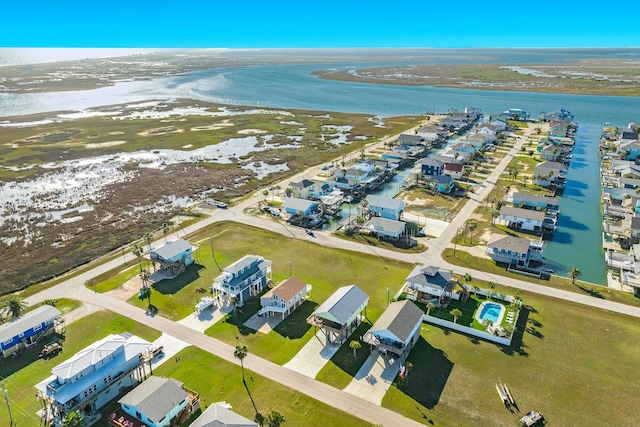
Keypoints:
pixel 309 232
pixel 51 349
pixel 221 205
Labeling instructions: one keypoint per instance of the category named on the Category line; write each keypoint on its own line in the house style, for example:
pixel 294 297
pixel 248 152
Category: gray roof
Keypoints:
pixel 535 198
pixel 431 161
pixel 554 166
pixel 342 304
pixel 298 204
pixel 155 397
pixel 410 138
pixel 27 321
pixel 172 248
pixel 635 223
pixel 430 276
pixel 389 225
pixel 217 415
pixel 242 263
pixel 510 243
pixel 400 319
pixel 522 213
pixel 302 184
pixel 385 202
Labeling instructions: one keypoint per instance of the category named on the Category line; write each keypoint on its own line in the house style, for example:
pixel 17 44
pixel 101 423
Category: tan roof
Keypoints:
pixel 288 289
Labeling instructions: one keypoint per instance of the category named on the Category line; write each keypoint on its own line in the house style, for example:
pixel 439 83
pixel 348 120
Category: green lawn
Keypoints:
pixel 575 364
pixel 23 373
pixel 217 380
pixel 309 262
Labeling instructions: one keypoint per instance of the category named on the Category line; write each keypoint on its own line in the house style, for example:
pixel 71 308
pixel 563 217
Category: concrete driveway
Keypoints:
pixel 313 356
pixel 374 378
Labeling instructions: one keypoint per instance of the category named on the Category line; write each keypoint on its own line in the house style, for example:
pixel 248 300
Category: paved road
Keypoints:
pixel 74 287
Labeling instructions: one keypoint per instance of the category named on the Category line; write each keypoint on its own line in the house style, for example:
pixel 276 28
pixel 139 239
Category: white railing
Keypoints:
pixel 467 330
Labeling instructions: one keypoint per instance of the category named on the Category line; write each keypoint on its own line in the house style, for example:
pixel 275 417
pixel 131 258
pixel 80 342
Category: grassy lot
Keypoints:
pixel 420 200
pixel 217 380
pixel 464 259
pixel 309 262
pixel 575 364
pixel 23 373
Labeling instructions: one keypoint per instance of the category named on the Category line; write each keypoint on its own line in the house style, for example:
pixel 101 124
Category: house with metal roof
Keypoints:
pixel 173 256
pixel 429 283
pixel 340 314
pixel 397 330
pixel 385 207
pixel 306 213
pixel 524 219
pixel 408 139
pixel 519 253
pixel 385 228
pixel 28 329
pixel 97 374
pixel 550 174
pixel 535 201
pixel 244 278
pixel 284 298
pixel 309 189
pixel 156 402
pixel 221 415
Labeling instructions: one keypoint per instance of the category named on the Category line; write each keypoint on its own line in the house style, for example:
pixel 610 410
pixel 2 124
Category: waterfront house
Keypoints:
pixel 424 284
pixel 550 174
pixel 307 213
pixel 518 252
pixel 515 114
pixel 28 329
pixel 535 201
pixel 454 170
pixel 432 134
pixel 340 314
pixel 244 278
pixel 221 415
pixel 309 189
pixel 385 207
pixel 173 256
pixel 410 140
pixel 385 228
pixel 430 166
pixel 630 150
pixel 285 297
pixel 97 374
pixel 396 331
pixel 522 219
pixel 554 153
pixel 156 402
pixel 442 183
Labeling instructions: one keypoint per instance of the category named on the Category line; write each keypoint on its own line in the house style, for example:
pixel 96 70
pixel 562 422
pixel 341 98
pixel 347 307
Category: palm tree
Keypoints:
pixel 355 345
pixel 517 294
pixel 476 288
pixel 144 276
pixel 73 419
pixel 467 277
pixel 492 285
pixel 14 307
pixel 234 301
pixel 240 353
pixel 274 419
pixel 165 230
pixel 430 305
pixel 472 225
pixel 455 313
pixel 145 294
pixel 265 193
pixel 495 214
pixel 148 238
pixel 486 323
pixel 574 272
pixel 137 251
pixel 407 367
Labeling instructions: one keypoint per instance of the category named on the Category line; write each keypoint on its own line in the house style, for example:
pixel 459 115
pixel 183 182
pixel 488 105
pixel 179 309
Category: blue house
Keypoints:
pixel 304 212
pixel 158 402
pixel 244 278
pixel 95 375
pixel 385 207
pixel 173 256
pixel 430 166
pixel 388 228
pixel 27 329
pixel 443 183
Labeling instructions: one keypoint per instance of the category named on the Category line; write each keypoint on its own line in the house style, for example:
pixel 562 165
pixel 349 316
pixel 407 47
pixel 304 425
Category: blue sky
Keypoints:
pixel 324 23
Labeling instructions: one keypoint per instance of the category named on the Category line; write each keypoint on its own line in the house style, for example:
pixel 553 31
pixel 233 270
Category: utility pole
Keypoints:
pixel 6 398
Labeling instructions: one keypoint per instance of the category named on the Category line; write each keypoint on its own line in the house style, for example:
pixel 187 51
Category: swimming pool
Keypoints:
pixel 491 311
